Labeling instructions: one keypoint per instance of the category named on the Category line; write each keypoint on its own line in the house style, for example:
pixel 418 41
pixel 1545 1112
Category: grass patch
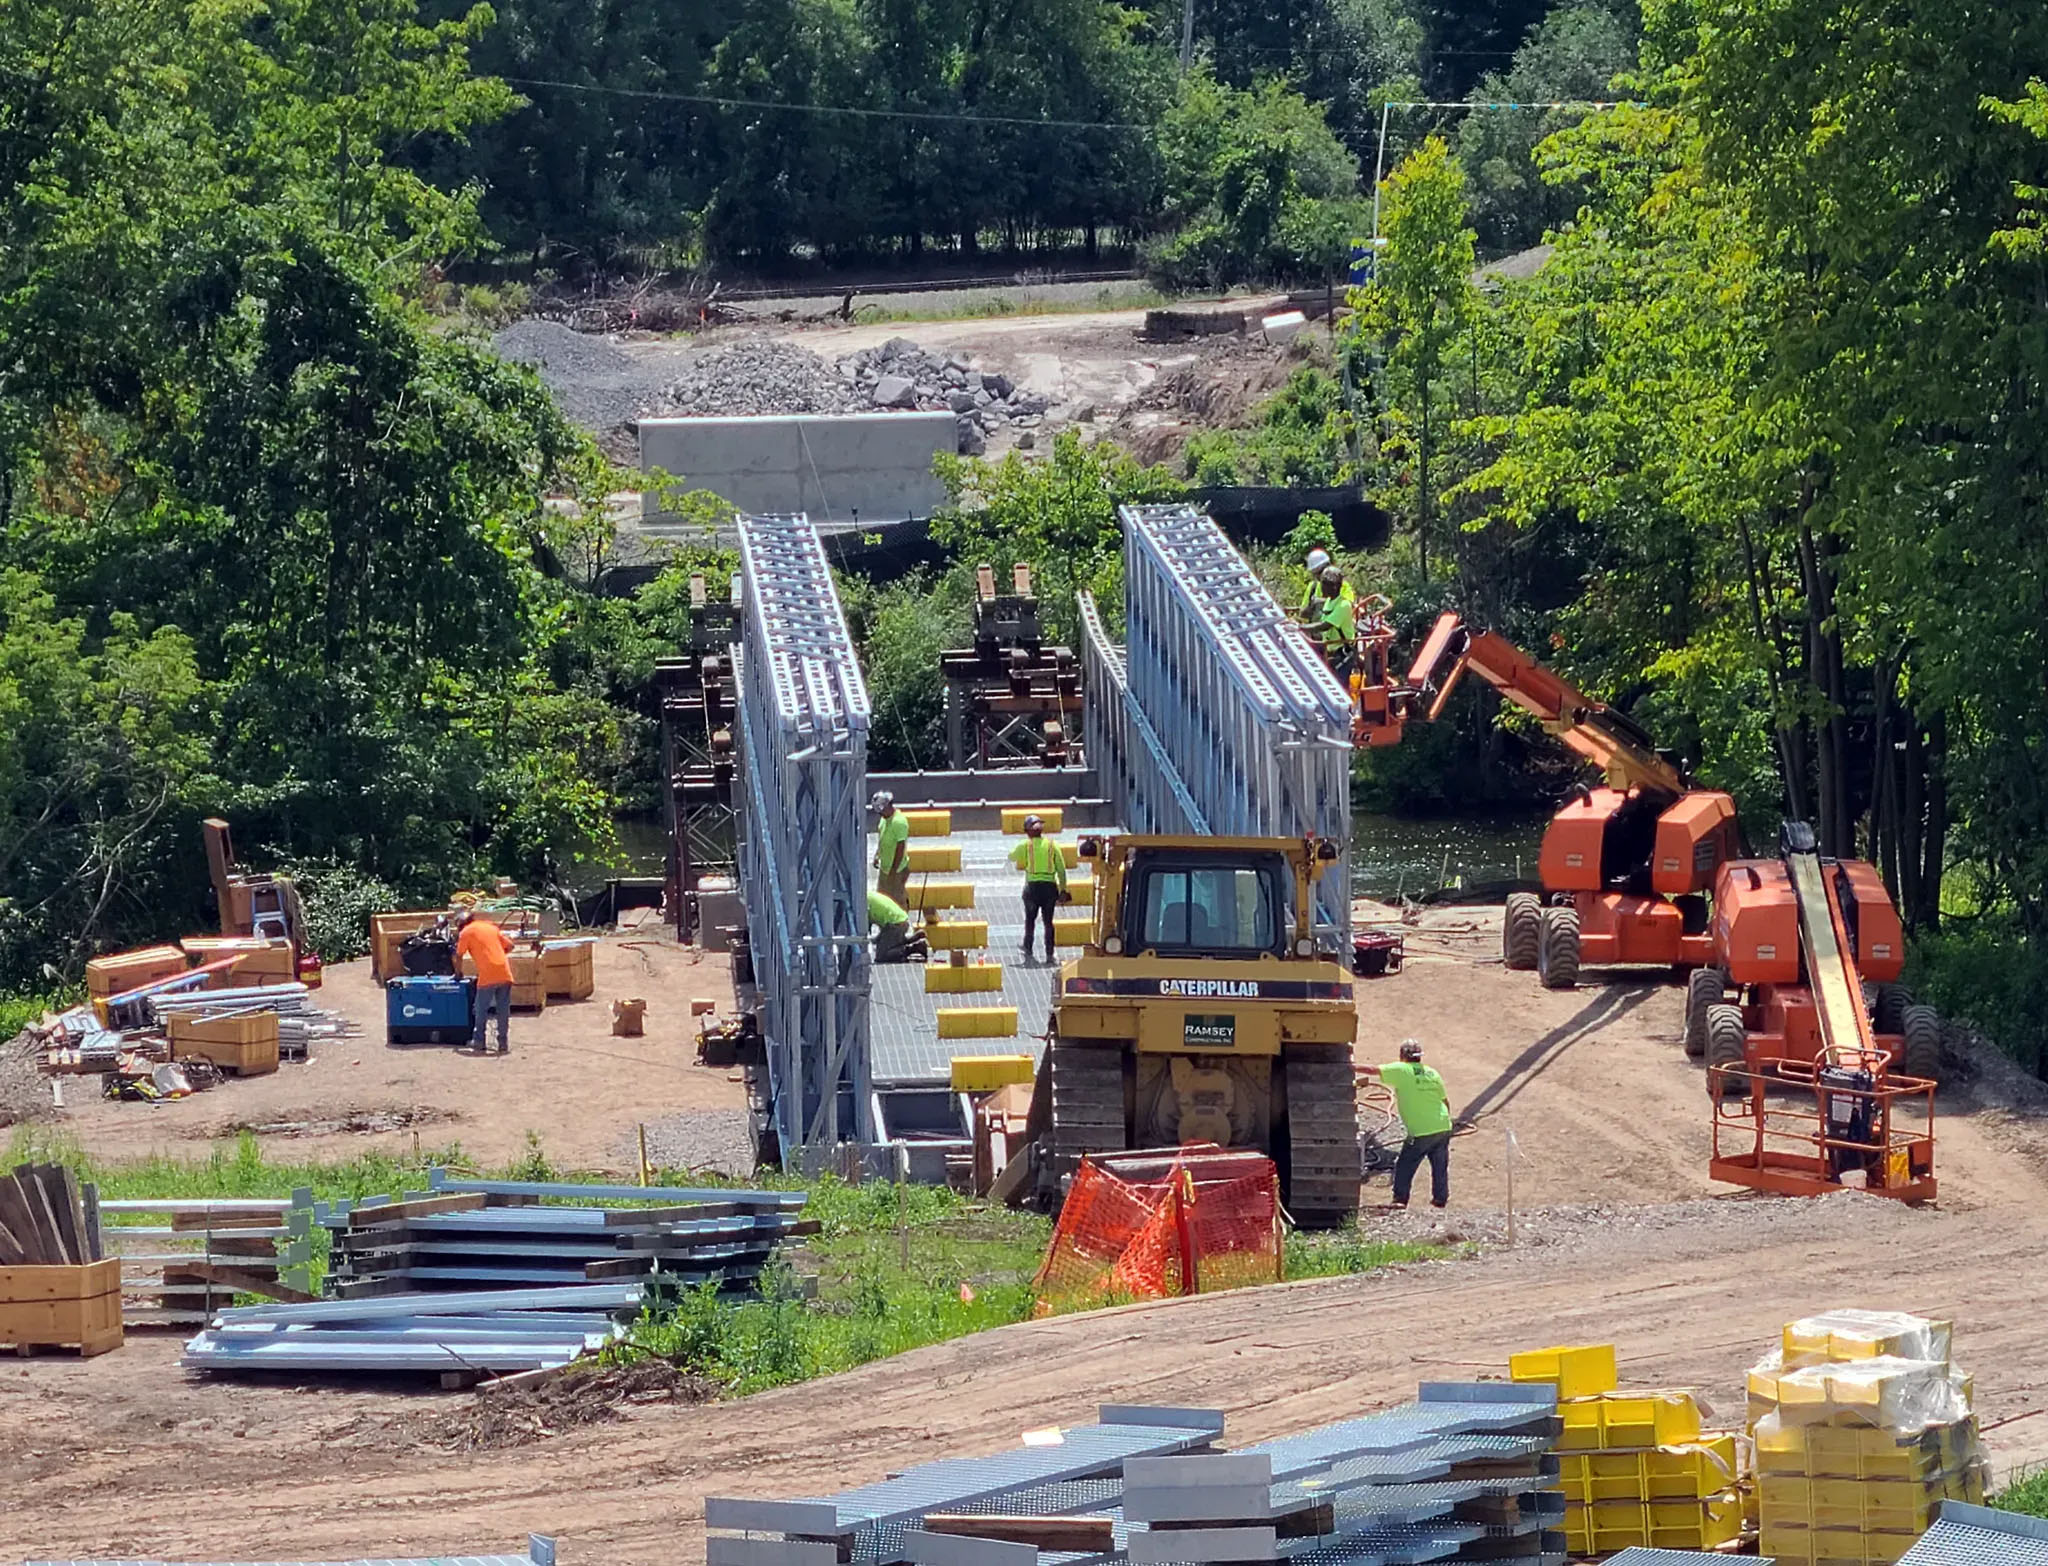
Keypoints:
pixel 2026 1491
pixel 1345 1251
pixel 969 1269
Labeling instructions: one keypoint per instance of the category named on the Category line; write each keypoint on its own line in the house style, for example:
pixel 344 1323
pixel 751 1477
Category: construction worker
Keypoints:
pixel 892 848
pixel 895 940
pixel 1045 880
pixel 1425 1112
pixel 1318 562
pixel 1336 620
pixel 483 943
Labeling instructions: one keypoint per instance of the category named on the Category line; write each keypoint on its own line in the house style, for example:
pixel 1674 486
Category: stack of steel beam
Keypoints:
pixel 496 1234
pixel 1258 728
pixel 803 772
pixel 1466 1473
pixel 454 1336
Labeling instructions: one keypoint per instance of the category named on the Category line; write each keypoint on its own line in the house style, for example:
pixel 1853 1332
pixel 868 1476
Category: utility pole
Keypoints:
pixel 1187 35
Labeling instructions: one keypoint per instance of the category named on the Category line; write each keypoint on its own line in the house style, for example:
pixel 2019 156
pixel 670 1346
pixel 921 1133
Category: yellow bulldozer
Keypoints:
pixel 1202 1009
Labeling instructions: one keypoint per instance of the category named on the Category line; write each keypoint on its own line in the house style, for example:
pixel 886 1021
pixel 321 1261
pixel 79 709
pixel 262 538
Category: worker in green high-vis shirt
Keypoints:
pixel 1336 621
pixel 1044 864
pixel 892 848
pixel 896 939
pixel 1425 1110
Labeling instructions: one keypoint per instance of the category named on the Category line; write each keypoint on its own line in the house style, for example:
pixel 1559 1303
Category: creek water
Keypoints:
pixel 1390 855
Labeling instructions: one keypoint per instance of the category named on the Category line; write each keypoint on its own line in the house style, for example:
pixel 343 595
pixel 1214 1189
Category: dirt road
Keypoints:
pixel 1692 1288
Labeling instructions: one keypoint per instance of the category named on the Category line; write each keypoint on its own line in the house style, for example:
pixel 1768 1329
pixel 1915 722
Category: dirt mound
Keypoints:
pixel 494 1419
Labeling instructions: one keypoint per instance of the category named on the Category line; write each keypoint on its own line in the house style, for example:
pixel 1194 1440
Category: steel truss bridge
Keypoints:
pixel 1214 715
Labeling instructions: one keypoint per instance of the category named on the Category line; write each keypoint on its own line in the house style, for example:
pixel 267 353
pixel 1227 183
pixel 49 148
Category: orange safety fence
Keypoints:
pixel 1147 1226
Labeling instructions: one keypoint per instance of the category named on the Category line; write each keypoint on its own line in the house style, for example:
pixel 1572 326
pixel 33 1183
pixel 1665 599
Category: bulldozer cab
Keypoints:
pixel 1206 897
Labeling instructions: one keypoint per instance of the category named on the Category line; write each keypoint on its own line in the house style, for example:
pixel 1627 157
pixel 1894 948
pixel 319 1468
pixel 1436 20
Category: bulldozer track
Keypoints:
pixel 1322 1135
pixel 1087 1105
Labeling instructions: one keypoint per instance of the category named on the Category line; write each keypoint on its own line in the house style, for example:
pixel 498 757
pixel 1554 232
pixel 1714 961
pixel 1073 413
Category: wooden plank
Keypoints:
pixel 194 1222
pixel 62 1186
pixel 95 1239
pixel 50 1227
pixel 417 1207
pixel 20 1220
pixel 236 1279
pixel 1087 1535
pixel 12 1252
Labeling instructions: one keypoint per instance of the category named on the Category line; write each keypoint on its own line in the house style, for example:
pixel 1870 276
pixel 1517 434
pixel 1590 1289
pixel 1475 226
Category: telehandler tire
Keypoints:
pixel 1557 953
pixel 1521 931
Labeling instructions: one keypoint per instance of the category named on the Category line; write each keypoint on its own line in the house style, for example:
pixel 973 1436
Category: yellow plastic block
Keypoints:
pixel 927 857
pixel 1865 1505
pixel 1669 1525
pixel 986 1073
pixel 1652 1473
pixel 977 1022
pixel 1075 931
pixel 1828 1451
pixel 1050 815
pixel 1834 1546
pixel 1581 1371
pixel 957 935
pixel 929 823
pixel 1864 1334
pixel 939 894
pixel 1617 1419
pixel 945 978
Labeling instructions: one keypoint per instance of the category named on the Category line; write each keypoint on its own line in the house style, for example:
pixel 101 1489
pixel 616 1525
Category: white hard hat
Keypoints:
pixel 1318 557
pixel 882 800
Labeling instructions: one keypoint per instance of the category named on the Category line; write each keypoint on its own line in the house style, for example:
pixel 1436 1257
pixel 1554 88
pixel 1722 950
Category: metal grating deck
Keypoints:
pixel 904 1047
pixel 1965 1535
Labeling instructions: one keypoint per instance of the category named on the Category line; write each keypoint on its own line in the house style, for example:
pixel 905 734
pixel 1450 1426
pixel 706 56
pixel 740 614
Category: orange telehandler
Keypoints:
pixel 1626 866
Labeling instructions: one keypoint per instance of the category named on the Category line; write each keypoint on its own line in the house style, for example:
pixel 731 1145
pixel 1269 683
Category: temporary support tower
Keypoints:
pixel 803 769
pixel 1257 727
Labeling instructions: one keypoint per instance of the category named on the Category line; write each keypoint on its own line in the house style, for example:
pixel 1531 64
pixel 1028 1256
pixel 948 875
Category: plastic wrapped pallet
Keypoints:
pixel 1885 1393
pixel 1864 1334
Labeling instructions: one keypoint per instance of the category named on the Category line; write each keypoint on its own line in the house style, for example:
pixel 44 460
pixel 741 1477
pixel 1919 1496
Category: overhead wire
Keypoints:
pixel 937 116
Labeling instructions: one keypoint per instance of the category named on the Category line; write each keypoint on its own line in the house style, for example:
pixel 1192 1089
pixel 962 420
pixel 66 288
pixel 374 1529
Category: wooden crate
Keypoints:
pixel 274 963
pixel 387 934
pixel 245 1045
pixel 120 972
pixel 568 969
pixel 62 1307
pixel 530 997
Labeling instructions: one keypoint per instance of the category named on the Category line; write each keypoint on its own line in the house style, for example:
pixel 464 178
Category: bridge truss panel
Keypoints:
pixel 1259 729
pixel 1140 781
pixel 802 761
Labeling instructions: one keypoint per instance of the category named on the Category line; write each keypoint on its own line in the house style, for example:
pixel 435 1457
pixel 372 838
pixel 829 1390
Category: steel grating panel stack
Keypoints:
pixel 803 771
pixel 1967 1535
pixel 1467 1473
pixel 1260 727
pixel 1651 1555
pixel 870 1525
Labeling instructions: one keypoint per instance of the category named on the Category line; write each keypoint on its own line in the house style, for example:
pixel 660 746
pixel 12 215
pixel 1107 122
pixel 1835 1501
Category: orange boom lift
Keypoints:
pixel 1625 866
pixel 1799 936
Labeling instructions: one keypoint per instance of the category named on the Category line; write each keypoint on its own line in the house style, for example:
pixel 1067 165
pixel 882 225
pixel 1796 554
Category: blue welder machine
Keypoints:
pixel 429 1009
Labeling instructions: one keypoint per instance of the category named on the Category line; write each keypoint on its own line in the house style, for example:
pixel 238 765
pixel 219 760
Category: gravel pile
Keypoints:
pixel 758 376
pixel 596 383
pixel 901 375
pixel 710 1139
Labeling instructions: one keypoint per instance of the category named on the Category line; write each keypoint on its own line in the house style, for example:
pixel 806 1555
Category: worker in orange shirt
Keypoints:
pixel 483 943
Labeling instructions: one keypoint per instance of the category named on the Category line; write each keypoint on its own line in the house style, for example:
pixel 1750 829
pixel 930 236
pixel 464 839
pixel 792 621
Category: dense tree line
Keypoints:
pixel 1759 451
pixel 771 133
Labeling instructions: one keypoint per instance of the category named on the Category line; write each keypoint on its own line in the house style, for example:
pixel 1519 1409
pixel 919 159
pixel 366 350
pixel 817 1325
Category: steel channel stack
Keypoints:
pixel 803 767
pixel 1233 689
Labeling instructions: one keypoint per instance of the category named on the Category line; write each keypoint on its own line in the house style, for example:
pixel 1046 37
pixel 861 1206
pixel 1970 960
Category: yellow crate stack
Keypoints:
pixel 1636 1467
pixel 1862 1426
